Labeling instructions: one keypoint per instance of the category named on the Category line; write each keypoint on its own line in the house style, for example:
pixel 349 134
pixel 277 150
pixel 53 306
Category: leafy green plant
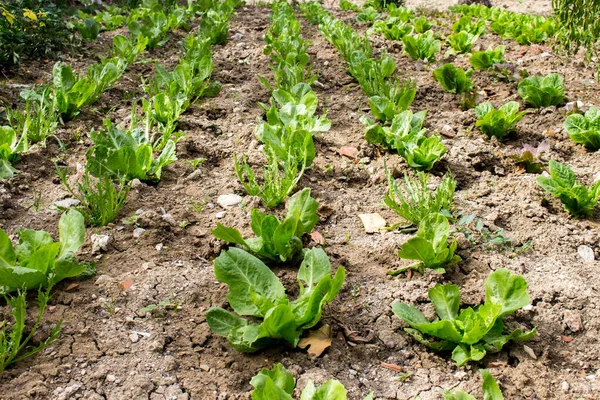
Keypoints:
pixel 279 178
pixel 407 136
pixel 498 122
pixel 129 49
pixel 11 146
pixel 127 155
pixel 368 15
pixel 100 200
pixel 477 233
pixel 276 240
pixel 39 118
pixel 37 261
pixel 13 339
pixel 491 391
pixel 461 42
pixel 465 24
pixel 452 79
pixel 486 59
pixel 585 129
pixel 422 25
pixel 577 199
pixel 279 384
pixel 470 333
pixel 398 11
pixel 528 157
pixel 540 91
pixel 254 290
pixel 392 28
pixel 348 6
pixel 417 200
pixel 430 246
pixel 89 29
pixel 421 46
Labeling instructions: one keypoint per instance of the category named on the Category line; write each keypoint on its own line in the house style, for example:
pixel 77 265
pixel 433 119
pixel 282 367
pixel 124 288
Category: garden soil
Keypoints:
pixel 110 348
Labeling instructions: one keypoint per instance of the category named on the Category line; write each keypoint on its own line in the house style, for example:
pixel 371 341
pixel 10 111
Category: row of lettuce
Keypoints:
pixel 118 155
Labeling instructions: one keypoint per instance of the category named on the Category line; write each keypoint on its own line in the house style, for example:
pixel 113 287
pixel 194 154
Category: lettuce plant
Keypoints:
pixel 348 6
pixel 279 177
pixel 528 157
pixel 38 120
pixel 486 59
pixel 255 291
pixel 368 15
pixel 421 46
pixel 128 49
pixel 89 29
pixel 11 146
pixel 392 28
pixel 498 122
pixel 407 136
pixel 127 155
pixel 155 27
pixel 430 246
pixel 466 24
pixel 422 25
pixel 417 200
pixel 279 384
pixel 452 79
pixel 491 390
pixel 405 14
pixel 577 199
pixel 540 91
pixel 585 129
pixel 469 333
pixel 276 240
pixel 461 42
pixel 37 261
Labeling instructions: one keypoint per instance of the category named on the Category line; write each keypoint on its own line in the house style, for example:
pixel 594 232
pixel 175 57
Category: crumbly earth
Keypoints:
pixel 109 349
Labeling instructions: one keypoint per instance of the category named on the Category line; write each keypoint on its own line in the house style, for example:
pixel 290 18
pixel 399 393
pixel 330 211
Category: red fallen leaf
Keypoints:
pixel 349 151
pixel 126 284
pixel 393 367
pixel 566 339
pixel 72 286
pixel 317 237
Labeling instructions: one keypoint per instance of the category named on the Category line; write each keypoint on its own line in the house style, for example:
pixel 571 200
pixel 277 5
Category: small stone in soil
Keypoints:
pixel 229 200
pixel 137 232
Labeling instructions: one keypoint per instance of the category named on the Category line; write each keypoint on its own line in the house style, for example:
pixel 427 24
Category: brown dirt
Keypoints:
pixel 177 357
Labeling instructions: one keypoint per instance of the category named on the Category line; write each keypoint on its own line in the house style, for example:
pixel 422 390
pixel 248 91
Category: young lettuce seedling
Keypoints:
pixel 255 291
pixel 422 25
pixel 465 24
pixel 277 241
pixel 540 91
pixel 129 49
pixel 577 199
pixel 430 246
pixel 470 333
pixel 585 129
pixel 392 28
pixel 486 59
pixel 461 42
pixel 498 122
pixel 528 157
pixel 10 150
pixel 421 46
pixel 418 200
pixel 452 79
pixel 38 120
pixel 278 384
pixel 39 262
pixel 491 390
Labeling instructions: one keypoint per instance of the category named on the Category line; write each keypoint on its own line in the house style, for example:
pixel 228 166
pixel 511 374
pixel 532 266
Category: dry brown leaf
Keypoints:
pixel 566 339
pixel 126 284
pixel 318 340
pixel 317 237
pixel 72 286
pixel 393 367
pixel 372 222
pixel 349 152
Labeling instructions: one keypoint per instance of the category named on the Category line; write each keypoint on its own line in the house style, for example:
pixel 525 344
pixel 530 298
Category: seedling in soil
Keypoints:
pixel 471 333
pixel 160 309
pixel 585 129
pixel 491 390
pixel 498 122
pixel 486 59
pixel 479 234
pixel 539 91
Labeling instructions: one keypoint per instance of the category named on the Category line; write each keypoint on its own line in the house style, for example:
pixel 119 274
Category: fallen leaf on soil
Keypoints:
pixel 495 364
pixel 126 284
pixel 393 367
pixel 349 151
pixel 325 211
pixel 72 286
pixel 372 222
pixel 566 339
pixel 317 237
pixel 318 340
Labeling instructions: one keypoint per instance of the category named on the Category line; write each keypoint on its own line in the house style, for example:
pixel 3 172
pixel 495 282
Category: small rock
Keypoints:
pixel 159 247
pixel 574 106
pixel 529 352
pixel 565 386
pixel 99 242
pixel 110 378
pixel 67 203
pixel 137 232
pixel 136 184
pixel 586 253
pixel 572 320
pixel 169 219
pixel 134 337
pixel 372 222
pixel 448 131
pixel 220 214
pixel 229 200
pixel 237 36
pixel 349 152
pixel 104 279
